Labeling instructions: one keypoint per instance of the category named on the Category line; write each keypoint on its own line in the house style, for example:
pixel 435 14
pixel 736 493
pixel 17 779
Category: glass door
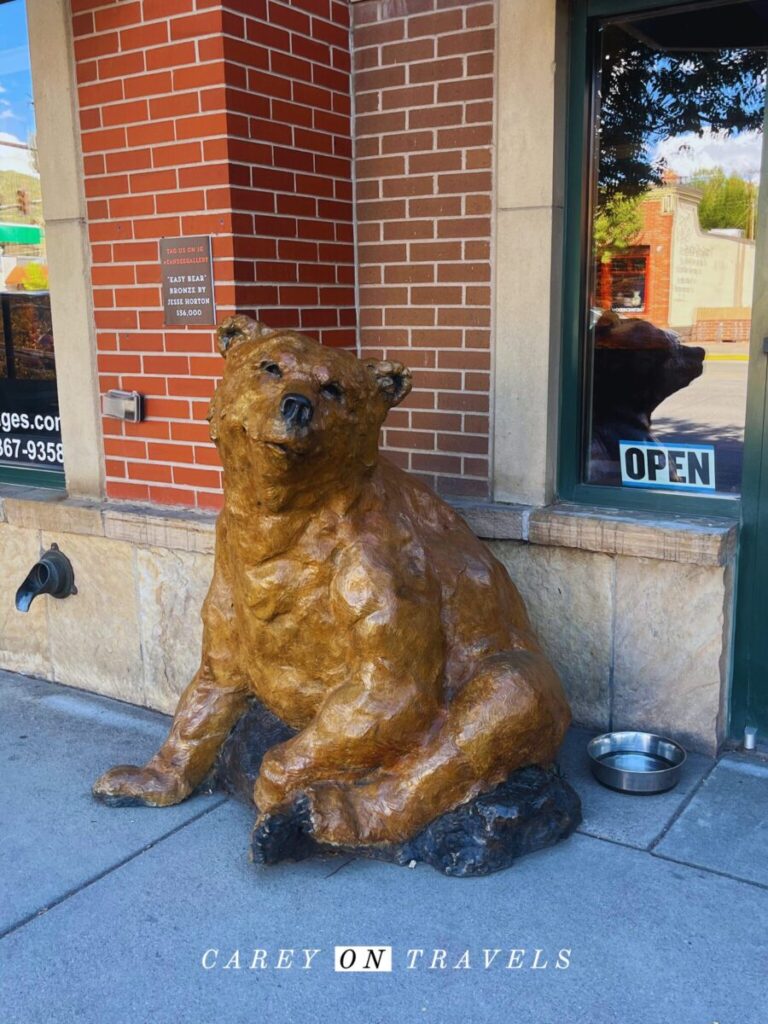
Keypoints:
pixel 661 251
pixel 677 121
pixel 665 363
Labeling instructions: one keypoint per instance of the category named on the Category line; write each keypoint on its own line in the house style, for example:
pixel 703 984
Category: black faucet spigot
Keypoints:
pixel 53 575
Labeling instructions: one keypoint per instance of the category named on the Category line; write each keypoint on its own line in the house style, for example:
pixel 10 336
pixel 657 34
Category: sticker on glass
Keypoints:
pixel 682 467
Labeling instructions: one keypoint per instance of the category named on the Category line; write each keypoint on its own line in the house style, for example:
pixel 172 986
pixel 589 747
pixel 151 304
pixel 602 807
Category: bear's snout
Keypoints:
pixel 695 357
pixel 297 411
pixel 687 363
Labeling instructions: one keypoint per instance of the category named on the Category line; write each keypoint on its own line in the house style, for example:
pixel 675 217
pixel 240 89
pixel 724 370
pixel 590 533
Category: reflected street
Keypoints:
pixel 711 411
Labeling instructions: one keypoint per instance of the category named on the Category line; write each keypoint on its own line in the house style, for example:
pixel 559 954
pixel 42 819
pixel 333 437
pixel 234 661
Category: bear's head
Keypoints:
pixel 638 365
pixel 294 416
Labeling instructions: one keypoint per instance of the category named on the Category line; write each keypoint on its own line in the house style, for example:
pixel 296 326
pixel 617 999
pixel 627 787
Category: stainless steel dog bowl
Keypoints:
pixel 636 762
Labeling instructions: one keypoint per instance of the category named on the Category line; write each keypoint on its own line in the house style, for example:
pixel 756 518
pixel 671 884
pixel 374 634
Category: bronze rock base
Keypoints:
pixel 534 808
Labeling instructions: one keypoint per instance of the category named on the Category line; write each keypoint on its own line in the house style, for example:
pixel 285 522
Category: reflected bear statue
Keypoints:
pixel 368 668
pixel 637 366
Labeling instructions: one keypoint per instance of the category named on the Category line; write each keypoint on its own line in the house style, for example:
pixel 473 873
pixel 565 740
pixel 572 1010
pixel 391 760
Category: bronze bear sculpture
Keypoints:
pixel 355 607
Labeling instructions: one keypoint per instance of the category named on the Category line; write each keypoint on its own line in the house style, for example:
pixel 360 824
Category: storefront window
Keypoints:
pixel 30 438
pixel 676 147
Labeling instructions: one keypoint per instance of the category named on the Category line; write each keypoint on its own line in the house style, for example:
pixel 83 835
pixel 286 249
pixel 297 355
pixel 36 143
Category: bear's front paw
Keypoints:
pixel 333 819
pixel 284 835
pixel 273 787
pixel 129 786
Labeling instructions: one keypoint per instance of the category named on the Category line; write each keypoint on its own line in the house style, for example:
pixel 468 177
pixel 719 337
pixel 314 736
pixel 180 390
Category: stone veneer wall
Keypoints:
pixel 638 642
pixel 636 617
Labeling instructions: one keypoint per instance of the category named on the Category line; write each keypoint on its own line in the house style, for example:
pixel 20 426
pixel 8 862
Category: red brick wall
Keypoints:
pixel 424 110
pixel 290 148
pixel 202 117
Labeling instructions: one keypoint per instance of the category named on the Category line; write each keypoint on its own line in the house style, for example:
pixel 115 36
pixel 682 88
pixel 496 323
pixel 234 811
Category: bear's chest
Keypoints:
pixel 281 587
pixel 292 647
pixel 285 608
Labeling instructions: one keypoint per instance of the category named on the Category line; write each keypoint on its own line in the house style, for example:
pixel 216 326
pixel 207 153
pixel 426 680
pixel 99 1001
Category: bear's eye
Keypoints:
pixel 331 391
pixel 272 369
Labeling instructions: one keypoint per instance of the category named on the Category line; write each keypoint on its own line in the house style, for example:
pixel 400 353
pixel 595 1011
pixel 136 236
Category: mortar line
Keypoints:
pixel 491 472
pixel 353 183
pixel 107 871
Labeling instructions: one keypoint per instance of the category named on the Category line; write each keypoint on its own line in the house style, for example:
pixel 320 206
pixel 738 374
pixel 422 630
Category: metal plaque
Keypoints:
pixel 187 274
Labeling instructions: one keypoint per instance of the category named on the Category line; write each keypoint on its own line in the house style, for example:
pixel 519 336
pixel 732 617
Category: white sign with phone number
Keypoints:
pixel 17 448
pixel 17 445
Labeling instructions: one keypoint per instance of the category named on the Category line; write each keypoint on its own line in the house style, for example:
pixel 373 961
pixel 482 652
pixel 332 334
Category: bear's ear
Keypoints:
pixel 608 320
pixel 392 379
pixel 236 329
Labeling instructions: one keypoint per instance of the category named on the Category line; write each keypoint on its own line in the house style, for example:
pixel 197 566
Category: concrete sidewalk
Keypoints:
pixel 106 915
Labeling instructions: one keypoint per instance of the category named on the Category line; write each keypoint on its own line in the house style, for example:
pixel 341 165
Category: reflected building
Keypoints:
pixel 678 276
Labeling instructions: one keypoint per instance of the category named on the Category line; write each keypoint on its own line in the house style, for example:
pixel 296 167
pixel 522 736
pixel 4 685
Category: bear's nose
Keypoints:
pixel 296 410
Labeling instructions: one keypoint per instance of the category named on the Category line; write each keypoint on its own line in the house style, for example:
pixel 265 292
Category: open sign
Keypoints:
pixel 689 467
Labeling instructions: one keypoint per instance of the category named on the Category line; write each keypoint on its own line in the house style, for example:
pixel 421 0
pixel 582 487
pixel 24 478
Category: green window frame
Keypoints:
pixel 48 479
pixel 575 364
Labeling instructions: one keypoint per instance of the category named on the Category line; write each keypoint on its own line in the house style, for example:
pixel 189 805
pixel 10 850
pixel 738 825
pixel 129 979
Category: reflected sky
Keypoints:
pixel 689 153
pixel 17 114
pixel 692 109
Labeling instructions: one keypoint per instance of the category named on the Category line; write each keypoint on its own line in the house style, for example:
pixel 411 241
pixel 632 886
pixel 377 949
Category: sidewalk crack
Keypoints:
pixel 682 806
pixel 107 871
pixel 645 851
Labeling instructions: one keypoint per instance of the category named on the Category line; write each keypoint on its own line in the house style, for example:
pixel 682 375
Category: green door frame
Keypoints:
pixel 575 365
pixel 749 693
pixel 749 690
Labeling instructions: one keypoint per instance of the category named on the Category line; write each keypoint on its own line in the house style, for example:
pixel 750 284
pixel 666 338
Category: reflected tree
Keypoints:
pixel 647 95
pixel 727 201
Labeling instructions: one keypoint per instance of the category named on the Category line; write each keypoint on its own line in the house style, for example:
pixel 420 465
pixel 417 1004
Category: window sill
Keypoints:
pixel 671 538
pixel 35 508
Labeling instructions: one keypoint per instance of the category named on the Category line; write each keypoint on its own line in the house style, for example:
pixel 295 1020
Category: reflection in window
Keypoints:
pixel 32 335
pixel 678 125
pixel 30 438
pixel 628 283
